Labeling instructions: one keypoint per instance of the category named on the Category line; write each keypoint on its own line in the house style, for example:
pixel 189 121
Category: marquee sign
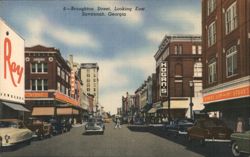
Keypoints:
pixel 11 64
pixel 164 79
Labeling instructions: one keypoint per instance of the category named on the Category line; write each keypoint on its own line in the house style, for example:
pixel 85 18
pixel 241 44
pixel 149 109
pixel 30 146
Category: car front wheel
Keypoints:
pixel 235 149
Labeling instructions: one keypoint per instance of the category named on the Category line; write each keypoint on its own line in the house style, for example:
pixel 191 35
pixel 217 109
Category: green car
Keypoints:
pixel 240 143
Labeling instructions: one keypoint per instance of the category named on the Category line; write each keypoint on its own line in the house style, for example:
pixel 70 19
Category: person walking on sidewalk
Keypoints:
pixel 118 123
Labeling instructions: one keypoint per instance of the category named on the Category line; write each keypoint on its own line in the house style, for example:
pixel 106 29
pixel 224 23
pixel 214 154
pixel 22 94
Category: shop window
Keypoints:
pixel 211 34
pixel 231 18
pixel 212 71
pixel 231 61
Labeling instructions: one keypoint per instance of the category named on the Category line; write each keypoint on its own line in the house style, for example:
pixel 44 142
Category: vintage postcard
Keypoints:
pixel 124 78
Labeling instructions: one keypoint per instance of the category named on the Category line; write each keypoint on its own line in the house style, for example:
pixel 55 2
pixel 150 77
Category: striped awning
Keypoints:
pixel 43 111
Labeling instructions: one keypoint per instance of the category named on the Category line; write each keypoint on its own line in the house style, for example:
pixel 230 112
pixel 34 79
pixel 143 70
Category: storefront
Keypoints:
pixel 230 100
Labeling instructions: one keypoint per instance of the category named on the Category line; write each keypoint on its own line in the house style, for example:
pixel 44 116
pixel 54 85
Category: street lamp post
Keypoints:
pixel 191 85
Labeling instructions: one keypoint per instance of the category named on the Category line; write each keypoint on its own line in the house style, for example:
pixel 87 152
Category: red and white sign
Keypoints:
pixel 11 64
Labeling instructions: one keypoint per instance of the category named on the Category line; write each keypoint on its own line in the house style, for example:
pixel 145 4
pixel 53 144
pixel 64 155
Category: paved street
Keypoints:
pixel 124 142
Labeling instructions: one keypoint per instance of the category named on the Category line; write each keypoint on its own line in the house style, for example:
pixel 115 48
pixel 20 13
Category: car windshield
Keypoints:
pixel 4 124
pixel 213 123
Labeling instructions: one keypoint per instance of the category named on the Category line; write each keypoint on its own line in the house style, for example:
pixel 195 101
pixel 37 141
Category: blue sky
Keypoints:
pixel 122 46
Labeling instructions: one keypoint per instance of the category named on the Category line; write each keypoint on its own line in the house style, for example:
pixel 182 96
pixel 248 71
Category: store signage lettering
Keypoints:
pixel 164 79
pixel 11 66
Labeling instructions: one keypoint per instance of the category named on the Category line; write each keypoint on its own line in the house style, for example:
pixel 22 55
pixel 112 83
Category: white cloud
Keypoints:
pixel 184 18
pixel 40 26
pixel 116 83
pixel 155 36
pixel 132 18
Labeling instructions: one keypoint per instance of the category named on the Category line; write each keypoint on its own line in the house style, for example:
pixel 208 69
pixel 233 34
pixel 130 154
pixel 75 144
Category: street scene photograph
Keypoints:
pixel 124 78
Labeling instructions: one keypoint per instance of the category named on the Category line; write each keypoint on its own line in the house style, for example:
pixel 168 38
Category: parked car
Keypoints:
pixel 67 124
pixel 40 128
pixel 94 126
pixel 240 143
pixel 179 126
pixel 57 126
pixel 13 131
pixel 209 130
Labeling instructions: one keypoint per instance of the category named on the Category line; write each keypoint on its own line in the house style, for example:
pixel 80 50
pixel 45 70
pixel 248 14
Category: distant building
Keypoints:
pixel 226 59
pixel 89 76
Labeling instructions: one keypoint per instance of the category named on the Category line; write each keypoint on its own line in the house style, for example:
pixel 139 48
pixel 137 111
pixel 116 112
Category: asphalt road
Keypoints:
pixel 125 142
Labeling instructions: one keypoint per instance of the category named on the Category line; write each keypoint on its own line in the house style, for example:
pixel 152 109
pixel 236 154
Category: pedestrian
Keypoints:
pixel 118 123
pixel 240 126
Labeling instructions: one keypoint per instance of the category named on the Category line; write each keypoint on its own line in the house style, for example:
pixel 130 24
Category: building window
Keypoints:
pixel 94 80
pixel 198 69
pixel 211 34
pixel 178 49
pixel 231 18
pixel 40 84
pixel 88 84
pixel 67 78
pixel 212 72
pixel 88 80
pixel 58 71
pixel 199 50
pixel 39 67
pixel 67 91
pixel 88 75
pixel 88 89
pixel 58 86
pixel 211 5
pixel 62 74
pixel 194 49
pixel 231 61
pixel 94 89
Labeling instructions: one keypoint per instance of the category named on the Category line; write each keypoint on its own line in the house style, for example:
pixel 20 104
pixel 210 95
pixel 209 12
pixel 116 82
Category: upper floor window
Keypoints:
pixel 212 71
pixel 231 18
pixel 194 49
pixel 178 49
pixel 39 84
pixel 58 71
pixel 198 69
pixel 67 78
pixel 211 5
pixel 199 50
pixel 62 74
pixel 39 67
pixel 231 61
pixel 88 75
pixel 211 34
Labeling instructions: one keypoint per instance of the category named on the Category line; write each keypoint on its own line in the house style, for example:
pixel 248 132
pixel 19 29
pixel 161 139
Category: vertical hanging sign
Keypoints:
pixel 164 79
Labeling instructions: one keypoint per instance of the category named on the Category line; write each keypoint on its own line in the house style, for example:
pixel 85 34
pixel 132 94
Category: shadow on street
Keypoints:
pixel 207 150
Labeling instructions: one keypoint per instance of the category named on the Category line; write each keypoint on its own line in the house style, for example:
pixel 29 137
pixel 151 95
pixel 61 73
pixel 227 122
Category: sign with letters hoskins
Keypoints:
pixel 164 79
pixel 11 65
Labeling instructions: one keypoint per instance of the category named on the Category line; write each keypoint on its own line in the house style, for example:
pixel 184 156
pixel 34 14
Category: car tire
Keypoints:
pixel 235 150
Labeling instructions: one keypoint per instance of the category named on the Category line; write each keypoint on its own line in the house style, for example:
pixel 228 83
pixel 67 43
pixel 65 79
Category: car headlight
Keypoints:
pixel 7 137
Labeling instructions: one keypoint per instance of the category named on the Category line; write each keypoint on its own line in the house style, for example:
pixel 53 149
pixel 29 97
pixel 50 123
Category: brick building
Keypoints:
pixel 48 89
pixel 226 58
pixel 182 55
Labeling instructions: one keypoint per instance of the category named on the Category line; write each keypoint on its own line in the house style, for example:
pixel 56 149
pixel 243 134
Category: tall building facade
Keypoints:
pixel 48 91
pixel 181 56
pixel 226 58
pixel 89 76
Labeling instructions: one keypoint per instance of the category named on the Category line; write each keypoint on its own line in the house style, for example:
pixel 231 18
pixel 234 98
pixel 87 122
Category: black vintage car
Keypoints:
pixel 39 127
pixel 60 125
pixel 178 126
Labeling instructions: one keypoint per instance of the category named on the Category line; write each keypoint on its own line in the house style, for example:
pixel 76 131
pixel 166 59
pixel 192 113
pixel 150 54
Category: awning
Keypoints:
pixel 16 107
pixel 229 104
pixel 152 110
pixel 43 111
pixel 175 104
pixel 75 112
pixel 64 111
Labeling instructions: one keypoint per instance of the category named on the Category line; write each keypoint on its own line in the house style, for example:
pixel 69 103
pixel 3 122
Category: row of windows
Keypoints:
pixel 62 74
pixel 88 89
pixel 88 80
pixel 231 65
pixel 196 49
pixel 39 84
pixel 39 67
pixel 88 75
pixel 197 69
pixel 230 24
pixel 62 88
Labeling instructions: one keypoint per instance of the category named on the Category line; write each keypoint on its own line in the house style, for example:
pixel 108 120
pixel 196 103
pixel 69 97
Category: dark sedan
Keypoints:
pixel 179 126
pixel 209 130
